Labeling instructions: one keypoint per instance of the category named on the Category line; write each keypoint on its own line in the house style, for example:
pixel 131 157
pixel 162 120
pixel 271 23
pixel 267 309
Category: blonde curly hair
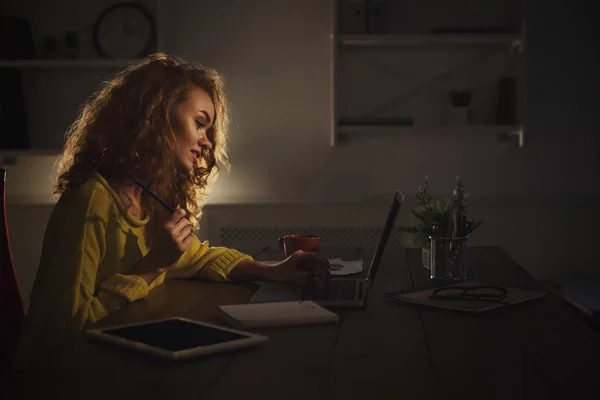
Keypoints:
pixel 126 129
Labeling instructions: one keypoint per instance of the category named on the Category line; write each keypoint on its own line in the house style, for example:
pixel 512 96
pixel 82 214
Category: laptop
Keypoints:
pixel 337 292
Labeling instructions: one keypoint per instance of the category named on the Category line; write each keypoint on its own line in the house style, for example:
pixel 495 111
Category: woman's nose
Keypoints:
pixel 204 142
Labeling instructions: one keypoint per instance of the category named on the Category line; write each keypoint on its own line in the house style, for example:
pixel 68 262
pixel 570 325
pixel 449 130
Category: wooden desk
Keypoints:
pixel 536 350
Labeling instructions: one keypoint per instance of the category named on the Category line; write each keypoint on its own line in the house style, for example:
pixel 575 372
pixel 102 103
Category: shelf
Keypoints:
pixel 65 63
pixel 399 129
pixel 399 40
pixel 503 133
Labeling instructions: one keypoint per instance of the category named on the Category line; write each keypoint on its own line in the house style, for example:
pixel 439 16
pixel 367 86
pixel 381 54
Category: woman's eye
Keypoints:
pixel 199 124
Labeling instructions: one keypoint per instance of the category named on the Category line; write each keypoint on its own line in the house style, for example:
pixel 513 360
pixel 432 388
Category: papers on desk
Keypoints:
pixel 338 266
pixel 425 296
pixel 246 316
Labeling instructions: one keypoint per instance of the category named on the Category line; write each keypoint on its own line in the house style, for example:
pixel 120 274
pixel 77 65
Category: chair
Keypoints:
pixel 12 312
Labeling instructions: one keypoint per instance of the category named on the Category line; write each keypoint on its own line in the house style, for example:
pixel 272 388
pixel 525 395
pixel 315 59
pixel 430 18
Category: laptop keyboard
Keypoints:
pixel 334 290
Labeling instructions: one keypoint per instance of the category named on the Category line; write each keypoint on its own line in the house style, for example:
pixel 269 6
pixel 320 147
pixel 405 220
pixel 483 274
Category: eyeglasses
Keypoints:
pixel 478 293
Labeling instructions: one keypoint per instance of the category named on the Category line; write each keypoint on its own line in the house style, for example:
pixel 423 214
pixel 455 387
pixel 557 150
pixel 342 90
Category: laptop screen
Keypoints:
pixel 385 234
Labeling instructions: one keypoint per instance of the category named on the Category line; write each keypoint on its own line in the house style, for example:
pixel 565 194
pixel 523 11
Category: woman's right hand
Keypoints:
pixel 173 239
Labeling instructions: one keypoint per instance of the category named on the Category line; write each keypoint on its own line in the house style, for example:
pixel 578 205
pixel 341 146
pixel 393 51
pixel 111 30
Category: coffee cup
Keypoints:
pixel 291 243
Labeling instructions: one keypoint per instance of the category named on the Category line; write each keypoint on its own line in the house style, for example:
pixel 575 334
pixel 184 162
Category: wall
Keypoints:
pixel 538 201
pixel 53 95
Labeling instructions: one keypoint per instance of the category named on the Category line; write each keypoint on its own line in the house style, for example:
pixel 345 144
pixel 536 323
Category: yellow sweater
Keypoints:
pixel 90 244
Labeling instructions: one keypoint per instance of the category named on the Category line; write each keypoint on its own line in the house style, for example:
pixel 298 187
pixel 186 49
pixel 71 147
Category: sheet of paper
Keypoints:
pixel 338 266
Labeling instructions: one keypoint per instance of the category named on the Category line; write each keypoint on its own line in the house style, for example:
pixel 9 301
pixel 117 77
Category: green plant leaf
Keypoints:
pixel 430 213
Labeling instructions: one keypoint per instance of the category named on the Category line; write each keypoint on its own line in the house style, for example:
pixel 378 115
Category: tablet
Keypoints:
pixel 177 338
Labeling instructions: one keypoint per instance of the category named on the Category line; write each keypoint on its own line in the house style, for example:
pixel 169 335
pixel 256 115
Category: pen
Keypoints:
pixel 151 193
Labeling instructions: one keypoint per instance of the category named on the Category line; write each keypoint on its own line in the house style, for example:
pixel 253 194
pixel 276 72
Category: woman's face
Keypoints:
pixel 195 116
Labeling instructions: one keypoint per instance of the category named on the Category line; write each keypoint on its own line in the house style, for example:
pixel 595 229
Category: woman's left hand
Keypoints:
pixel 299 267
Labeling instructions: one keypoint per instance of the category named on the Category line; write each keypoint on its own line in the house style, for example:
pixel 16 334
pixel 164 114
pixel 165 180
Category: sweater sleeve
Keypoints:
pixel 93 300
pixel 67 295
pixel 203 261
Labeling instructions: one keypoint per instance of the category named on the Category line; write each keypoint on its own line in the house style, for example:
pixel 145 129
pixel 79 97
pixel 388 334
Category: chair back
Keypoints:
pixel 12 312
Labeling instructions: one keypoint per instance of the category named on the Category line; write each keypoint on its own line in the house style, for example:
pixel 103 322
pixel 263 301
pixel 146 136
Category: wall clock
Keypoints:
pixel 125 30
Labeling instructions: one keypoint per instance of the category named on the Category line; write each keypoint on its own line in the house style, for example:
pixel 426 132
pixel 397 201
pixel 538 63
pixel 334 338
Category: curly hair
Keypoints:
pixel 126 129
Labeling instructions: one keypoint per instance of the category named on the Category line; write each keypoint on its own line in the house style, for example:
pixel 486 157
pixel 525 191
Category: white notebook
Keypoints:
pixel 283 313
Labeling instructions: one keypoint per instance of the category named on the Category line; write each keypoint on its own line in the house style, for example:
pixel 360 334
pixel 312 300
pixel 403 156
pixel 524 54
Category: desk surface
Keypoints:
pixel 536 350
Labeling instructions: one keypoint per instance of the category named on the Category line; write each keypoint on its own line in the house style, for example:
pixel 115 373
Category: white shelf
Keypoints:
pixel 503 133
pixel 400 40
pixel 441 130
pixel 65 63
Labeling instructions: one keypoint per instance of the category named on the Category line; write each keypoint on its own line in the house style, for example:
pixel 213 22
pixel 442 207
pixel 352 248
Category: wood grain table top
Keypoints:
pixel 535 350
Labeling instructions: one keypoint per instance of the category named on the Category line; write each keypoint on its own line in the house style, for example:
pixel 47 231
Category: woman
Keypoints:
pixel 107 243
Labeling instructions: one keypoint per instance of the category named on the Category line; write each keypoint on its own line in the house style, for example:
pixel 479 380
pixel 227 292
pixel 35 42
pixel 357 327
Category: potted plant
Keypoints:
pixel 442 220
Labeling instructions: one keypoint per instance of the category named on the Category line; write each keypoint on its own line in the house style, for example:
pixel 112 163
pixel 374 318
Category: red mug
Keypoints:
pixel 291 243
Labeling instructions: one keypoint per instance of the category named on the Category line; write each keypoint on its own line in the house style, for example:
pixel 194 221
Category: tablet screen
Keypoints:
pixel 175 334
